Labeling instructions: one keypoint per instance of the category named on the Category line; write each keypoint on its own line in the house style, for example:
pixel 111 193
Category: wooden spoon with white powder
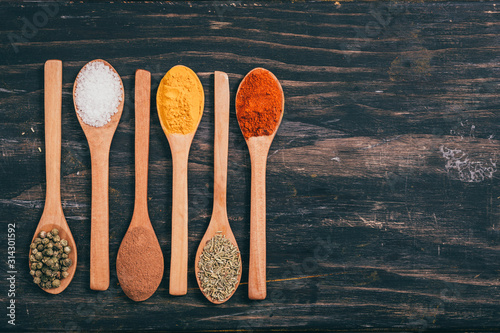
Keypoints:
pixel 98 97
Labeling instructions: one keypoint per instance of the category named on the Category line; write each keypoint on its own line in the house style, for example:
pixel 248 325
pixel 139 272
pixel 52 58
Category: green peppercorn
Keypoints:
pixel 50 259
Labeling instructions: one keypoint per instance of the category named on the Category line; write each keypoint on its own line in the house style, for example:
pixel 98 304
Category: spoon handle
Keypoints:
pixel 53 96
pixel 257 266
pixel 179 246
pixel 142 110
pixel 221 106
pixel 99 230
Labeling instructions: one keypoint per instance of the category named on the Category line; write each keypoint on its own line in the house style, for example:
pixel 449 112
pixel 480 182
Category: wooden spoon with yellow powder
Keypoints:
pixel 180 100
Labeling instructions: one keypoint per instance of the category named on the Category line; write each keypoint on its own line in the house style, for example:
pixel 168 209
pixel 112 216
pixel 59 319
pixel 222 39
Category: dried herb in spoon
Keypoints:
pixel 219 268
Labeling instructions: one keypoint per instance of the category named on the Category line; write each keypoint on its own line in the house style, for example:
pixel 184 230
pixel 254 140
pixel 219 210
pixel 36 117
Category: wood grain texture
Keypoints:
pixel 382 185
pixel 52 120
pixel 142 114
pixel 180 144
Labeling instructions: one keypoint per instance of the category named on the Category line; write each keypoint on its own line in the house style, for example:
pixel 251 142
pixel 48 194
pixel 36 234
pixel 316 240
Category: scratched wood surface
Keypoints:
pixel 383 196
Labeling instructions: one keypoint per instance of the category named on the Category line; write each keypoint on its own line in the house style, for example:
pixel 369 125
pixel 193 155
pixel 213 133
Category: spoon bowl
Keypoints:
pixel 49 221
pixel 53 215
pixel 99 140
pixel 258 147
pixel 219 223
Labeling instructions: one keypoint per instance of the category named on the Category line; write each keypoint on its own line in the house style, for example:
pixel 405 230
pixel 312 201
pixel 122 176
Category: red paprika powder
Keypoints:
pixel 259 103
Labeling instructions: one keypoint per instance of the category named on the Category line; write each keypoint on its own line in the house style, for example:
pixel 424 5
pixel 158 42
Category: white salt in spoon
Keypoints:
pixel 99 140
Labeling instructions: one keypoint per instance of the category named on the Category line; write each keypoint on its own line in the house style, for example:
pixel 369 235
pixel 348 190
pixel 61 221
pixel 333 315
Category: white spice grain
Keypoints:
pixel 98 93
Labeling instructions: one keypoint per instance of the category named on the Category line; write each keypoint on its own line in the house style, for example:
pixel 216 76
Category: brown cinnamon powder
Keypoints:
pixel 139 264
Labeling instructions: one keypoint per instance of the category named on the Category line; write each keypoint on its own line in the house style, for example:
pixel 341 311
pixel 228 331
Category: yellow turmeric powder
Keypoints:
pixel 180 100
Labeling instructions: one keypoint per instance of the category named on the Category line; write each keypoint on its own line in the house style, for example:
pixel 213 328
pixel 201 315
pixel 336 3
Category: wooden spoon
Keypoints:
pixel 99 139
pixel 258 147
pixel 219 223
pixel 179 146
pixel 139 264
pixel 53 216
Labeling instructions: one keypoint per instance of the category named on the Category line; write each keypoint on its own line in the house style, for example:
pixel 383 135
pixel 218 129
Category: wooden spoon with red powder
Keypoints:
pixel 139 264
pixel 259 108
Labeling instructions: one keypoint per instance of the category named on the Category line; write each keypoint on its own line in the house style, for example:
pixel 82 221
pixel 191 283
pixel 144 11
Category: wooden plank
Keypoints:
pixel 382 185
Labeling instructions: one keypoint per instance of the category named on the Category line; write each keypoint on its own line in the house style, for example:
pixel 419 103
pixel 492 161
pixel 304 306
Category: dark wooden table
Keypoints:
pixel 382 188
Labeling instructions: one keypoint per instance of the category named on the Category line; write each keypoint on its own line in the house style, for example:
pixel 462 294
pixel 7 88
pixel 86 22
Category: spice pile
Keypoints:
pixel 259 103
pixel 180 100
pixel 98 93
pixel 219 268
pixel 49 259
pixel 140 274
